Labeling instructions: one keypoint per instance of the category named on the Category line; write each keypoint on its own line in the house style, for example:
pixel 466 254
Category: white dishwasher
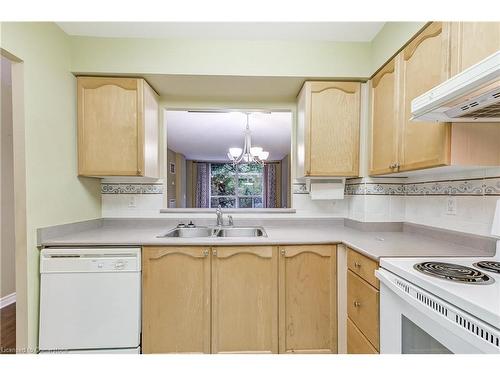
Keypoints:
pixel 90 300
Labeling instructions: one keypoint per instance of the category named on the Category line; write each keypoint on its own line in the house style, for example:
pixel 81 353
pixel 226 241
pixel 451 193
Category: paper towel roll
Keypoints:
pixel 495 227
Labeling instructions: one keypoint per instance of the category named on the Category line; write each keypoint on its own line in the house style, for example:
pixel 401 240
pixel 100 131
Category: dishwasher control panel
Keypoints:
pixel 90 260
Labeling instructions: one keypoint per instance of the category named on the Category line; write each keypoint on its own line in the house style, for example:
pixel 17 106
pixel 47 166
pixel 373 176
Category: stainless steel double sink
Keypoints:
pixel 200 232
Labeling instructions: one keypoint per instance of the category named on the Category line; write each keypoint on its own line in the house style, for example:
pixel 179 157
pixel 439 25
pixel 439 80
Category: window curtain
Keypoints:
pixel 272 185
pixel 202 193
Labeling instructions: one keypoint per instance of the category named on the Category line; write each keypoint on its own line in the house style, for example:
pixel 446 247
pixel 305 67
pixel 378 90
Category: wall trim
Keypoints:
pixel 487 186
pixel 9 299
pixel 131 188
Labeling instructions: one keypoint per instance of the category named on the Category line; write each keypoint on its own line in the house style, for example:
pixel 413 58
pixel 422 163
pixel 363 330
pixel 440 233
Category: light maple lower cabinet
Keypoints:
pixel 230 299
pixel 308 299
pixel 363 296
pixel 176 300
pixel 357 343
pixel 244 300
pixel 210 300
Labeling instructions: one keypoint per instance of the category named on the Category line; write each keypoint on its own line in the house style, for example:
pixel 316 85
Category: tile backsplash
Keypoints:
pixel 420 200
pixel 425 201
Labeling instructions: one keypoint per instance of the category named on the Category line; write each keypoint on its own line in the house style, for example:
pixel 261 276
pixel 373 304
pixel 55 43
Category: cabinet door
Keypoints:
pixel 424 64
pixel 151 133
pixel 357 343
pixel 363 307
pixel 109 126
pixel 472 42
pixel 384 131
pixel 176 300
pixel 308 299
pixel 332 136
pixel 244 300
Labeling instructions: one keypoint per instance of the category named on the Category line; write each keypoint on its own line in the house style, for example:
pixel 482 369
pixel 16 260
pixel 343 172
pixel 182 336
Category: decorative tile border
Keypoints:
pixel 384 189
pixel 489 186
pixel 128 188
pixel 492 186
pixel 299 188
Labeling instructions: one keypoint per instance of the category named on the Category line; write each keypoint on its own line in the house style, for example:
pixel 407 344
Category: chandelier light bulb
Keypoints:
pixel 264 155
pixel 235 152
pixel 256 151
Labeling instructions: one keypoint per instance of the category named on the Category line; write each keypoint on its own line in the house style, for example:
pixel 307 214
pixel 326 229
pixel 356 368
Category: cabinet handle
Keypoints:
pixel 392 165
pixel 139 171
pixel 283 252
pixel 357 304
pixel 205 253
pixel 357 265
pixel 214 252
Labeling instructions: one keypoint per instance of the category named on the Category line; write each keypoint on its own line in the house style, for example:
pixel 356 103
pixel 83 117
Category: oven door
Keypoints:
pixel 413 321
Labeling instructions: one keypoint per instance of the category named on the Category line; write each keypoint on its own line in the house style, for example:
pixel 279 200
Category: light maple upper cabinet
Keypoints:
pixel 424 65
pixel 117 127
pixel 439 51
pixel 244 300
pixel 384 133
pixel 328 121
pixel 471 42
pixel 308 299
pixel 176 300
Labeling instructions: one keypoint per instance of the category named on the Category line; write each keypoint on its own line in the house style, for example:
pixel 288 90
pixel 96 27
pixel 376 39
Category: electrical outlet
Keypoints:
pixel 131 202
pixel 451 206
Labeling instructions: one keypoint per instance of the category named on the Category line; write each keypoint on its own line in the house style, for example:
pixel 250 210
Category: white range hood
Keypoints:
pixel 471 96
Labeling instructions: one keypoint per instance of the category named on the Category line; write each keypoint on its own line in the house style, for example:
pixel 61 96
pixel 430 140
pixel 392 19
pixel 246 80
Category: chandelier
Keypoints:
pixel 247 154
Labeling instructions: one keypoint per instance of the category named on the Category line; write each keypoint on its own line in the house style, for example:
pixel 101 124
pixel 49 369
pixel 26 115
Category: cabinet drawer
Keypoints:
pixel 363 307
pixel 363 267
pixel 357 343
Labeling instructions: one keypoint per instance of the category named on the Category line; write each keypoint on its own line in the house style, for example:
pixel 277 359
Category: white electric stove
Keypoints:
pixel 440 305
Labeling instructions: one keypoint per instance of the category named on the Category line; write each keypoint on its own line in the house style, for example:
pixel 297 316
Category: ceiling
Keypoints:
pixel 208 136
pixel 290 31
pixel 232 88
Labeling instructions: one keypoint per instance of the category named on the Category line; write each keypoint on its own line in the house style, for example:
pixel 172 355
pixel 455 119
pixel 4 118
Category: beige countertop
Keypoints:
pixel 374 244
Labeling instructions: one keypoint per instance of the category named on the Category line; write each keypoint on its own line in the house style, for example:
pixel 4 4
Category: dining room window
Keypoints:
pixel 236 186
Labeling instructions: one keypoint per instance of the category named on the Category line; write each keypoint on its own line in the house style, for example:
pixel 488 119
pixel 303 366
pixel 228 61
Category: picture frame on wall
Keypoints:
pixel 171 168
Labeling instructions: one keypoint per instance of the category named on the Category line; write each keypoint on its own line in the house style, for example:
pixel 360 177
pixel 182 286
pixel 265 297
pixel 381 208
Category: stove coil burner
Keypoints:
pixel 488 266
pixel 454 272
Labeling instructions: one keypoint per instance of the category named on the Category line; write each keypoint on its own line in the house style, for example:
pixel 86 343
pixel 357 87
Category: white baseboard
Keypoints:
pixel 7 300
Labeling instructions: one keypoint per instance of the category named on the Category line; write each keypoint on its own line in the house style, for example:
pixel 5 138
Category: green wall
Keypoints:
pixel 245 58
pixel 390 39
pixel 54 193
pixel 220 57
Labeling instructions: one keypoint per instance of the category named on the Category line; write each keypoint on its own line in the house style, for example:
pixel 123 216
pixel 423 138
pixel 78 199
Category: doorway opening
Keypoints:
pixel 13 288
pixel 235 159
pixel 7 259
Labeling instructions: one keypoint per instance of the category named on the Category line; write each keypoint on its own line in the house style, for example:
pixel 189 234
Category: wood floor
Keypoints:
pixel 8 329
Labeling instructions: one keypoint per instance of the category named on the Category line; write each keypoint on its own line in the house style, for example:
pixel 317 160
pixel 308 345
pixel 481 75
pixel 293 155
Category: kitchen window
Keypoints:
pixel 236 186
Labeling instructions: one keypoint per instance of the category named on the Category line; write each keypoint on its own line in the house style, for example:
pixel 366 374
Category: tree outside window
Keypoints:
pixel 236 186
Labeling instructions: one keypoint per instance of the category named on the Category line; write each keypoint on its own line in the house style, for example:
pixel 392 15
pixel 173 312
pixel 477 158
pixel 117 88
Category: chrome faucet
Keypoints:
pixel 220 219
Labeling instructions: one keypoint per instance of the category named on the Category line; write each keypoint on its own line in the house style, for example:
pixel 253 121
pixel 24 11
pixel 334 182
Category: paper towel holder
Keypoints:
pixel 326 188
